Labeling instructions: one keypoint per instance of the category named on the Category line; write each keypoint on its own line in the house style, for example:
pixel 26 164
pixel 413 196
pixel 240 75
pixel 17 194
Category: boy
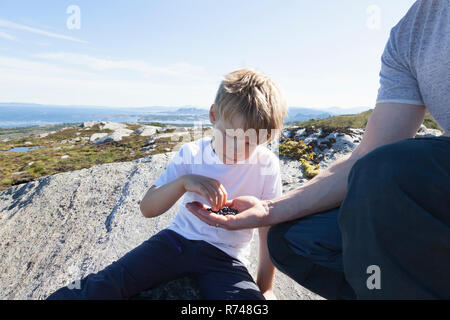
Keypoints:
pixel 211 170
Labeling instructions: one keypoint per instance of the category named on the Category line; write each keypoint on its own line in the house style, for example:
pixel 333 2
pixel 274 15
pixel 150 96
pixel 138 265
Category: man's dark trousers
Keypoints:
pixel 390 239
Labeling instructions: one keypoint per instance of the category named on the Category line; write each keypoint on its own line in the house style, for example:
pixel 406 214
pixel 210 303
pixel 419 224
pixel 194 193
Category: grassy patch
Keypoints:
pixel 310 170
pixel 298 150
pixel 21 167
pixel 358 121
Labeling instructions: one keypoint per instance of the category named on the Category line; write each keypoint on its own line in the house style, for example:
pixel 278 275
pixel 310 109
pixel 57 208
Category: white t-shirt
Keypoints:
pixel 258 176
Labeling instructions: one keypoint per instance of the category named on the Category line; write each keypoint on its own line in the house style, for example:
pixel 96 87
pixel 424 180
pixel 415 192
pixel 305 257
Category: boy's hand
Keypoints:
pixel 209 188
pixel 252 213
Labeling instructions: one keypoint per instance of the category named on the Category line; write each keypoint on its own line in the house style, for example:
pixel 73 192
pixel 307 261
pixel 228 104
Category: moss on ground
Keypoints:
pixel 21 167
pixel 298 150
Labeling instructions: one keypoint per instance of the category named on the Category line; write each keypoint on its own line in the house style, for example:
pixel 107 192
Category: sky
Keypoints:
pixel 322 53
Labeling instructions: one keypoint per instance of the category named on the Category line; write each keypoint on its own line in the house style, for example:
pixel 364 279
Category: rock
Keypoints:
pixel 146 131
pixel 60 228
pixel 28 143
pixel 150 141
pixel 19 173
pixel 147 148
pixel 27 165
pixel 43 135
pixel 89 124
pixel 343 143
pixel 113 126
pixel 286 133
pixel 425 132
pixel 116 135
pixel 6 140
pixel 97 136
pixel 65 157
pixel 300 132
pixel 181 129
pixel 175 136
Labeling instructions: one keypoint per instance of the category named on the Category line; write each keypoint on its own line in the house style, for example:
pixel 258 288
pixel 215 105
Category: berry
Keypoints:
pixel 224 211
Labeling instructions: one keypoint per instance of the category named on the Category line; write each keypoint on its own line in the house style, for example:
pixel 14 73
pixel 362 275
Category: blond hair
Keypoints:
pixel 254 96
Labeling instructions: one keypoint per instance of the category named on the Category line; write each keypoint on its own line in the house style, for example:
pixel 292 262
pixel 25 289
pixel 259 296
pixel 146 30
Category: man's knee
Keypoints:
pixel 275 241
pixel 299 244
pixel 373 181
pixel 384 165
pixel 401 163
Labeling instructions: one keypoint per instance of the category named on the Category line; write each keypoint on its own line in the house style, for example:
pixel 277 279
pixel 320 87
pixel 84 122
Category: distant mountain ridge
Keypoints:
pixel 28 114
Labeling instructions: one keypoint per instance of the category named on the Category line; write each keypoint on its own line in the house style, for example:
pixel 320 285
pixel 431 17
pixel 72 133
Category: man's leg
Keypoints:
pixel 309 250
pixel 221 277
pixel 396 217
pixel 151 263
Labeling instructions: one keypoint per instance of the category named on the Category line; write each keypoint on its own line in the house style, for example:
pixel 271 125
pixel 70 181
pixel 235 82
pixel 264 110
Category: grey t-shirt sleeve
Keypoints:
pixel 398 83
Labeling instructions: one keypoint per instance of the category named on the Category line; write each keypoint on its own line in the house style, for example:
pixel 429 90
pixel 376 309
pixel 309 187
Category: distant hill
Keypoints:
pixel 27 114
pixel 341 111
pixel 192 111
pixel 296 114
pixel 357 121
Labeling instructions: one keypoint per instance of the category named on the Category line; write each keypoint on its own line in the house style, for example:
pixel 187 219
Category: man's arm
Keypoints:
pixel 390 122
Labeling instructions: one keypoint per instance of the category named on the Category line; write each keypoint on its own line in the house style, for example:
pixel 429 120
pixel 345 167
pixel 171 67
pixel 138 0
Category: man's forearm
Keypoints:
pixel 325 192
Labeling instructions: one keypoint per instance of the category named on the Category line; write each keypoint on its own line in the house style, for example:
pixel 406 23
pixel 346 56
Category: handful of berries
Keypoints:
pixel 224 211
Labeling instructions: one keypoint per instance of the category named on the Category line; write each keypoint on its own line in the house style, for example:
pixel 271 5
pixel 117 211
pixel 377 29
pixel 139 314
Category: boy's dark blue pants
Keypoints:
pixel 164 257
pixel 390 239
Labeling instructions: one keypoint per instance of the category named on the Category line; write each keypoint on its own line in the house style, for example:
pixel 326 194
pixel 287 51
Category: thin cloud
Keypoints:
pixel 7 36
pixel 180 70
pixel 15 26
pixel 49 83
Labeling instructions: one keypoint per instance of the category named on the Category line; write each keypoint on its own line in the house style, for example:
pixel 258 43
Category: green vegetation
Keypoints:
pixel 309 169
pixel 21 167
pixel 298 150
pixel 430 123
pixel 353 121
pixel 14 133
pixel 357 121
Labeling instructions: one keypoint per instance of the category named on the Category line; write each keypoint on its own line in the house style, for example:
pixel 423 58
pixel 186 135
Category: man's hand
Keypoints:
pixel 252 213
pixel 210 189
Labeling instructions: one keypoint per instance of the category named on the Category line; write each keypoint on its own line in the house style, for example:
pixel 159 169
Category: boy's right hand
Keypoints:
pixel 209 188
